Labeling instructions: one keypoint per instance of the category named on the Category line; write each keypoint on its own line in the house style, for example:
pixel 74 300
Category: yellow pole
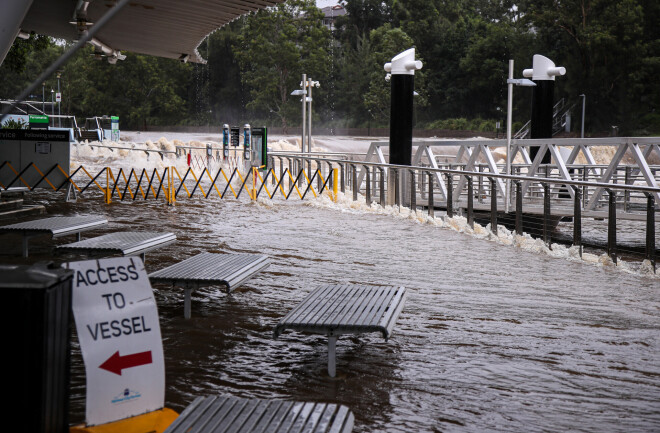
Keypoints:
pixel 172 194
pixel 335 181
pixel 167 190
pixel 254 183
pixel 107 185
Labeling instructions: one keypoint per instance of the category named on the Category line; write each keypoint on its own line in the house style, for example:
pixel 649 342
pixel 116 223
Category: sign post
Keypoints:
pixel 117 324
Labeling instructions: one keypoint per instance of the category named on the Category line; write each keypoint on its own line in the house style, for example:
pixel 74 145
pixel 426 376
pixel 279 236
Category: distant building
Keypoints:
pixel 330 14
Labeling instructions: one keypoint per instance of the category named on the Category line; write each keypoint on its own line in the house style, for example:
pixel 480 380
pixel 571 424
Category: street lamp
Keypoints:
pixel 310 84
pixel 511 82
pixel 301 92
pixel 52 103
pixel 584 100
pixel 59 109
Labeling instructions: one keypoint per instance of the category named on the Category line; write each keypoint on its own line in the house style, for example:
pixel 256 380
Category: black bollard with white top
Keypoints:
pixel 543 74
pixel 402 72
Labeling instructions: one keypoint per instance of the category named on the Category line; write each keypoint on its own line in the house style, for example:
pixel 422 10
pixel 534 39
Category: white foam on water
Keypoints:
pixel 503 236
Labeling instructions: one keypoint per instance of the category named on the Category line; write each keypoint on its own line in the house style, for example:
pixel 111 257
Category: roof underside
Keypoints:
pixel 164 28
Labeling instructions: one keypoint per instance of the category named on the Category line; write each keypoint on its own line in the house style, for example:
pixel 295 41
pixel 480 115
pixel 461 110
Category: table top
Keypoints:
pixel 346 309
pixel 125 243
pixel 220 414
pixel 208 269
pixel 57 226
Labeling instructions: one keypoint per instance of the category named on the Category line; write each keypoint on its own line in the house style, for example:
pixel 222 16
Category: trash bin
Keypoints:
pixel 37 303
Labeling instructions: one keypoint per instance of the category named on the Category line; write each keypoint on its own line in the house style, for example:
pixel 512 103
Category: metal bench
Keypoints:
pixel 56 227
pixel 219 414
pixel 334 310
pixel 124 243
pixel 208 269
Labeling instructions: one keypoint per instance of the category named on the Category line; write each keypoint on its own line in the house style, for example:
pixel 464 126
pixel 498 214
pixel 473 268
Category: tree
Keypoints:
pixel 602 45
pixel 275 46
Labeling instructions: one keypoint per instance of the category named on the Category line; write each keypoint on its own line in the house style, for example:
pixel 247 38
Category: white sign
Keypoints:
pixel 58 97
pixel 117 323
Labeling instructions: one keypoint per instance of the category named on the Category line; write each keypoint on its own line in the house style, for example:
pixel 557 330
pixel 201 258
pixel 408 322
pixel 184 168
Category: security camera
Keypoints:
pixel 184 58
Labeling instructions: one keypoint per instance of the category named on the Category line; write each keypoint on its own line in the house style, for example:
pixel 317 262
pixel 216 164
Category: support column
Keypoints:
pixel 402 70
pixel 543 74
pixel 332 356
pixel 186 303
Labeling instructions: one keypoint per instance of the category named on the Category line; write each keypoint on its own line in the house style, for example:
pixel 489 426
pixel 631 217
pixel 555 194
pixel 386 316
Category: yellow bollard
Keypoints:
pixel 335 181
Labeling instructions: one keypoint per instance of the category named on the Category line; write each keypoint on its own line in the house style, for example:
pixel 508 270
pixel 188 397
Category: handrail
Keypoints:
pixel 490 175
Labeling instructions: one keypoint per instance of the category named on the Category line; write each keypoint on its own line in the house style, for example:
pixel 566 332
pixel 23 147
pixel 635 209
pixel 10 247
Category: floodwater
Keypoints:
pixel 493 337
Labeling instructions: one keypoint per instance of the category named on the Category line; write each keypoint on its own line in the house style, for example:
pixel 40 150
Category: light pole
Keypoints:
pixel 301 92
pixel 52 103
pixel 59 111
pixel 310 84
pixel 584 99
pixel 510 82
pixel 43 97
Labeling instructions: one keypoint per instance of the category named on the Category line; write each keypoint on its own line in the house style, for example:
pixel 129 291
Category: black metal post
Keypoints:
pixel 430 200
pixel 382 186
pixel 342 175
pixel 413 192
pixel 577 219
pixel 650 229
pixel 470 202
pixel 611 226
pixel 401 119
pixel 546 214
pixel 519 208
pixel 493 205
pixel 541 123
pixel 368 191
pixel 626 193
pixel 354 185
pixel 397 193
pixel 450 196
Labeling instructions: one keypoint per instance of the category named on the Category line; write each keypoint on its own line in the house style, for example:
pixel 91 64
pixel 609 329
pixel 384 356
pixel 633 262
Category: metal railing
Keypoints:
pixel 538 210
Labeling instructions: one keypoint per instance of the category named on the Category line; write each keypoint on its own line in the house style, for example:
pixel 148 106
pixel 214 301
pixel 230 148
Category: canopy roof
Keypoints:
pixel 164 28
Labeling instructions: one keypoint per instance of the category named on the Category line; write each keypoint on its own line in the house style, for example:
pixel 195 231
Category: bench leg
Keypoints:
pixel 78 237
pixel 186 303
pixel 143 256
pixel 332 364
pixel 25 246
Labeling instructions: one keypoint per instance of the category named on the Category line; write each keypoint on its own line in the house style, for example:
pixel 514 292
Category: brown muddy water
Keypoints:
pixel 492 338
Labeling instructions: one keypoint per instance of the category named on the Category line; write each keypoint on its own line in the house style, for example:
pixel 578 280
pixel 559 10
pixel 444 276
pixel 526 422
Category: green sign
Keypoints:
pixel 38 118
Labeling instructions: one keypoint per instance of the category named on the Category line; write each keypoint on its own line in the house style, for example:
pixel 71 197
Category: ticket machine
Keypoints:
pixel 259 144
pixel 225 141
pixel 247 138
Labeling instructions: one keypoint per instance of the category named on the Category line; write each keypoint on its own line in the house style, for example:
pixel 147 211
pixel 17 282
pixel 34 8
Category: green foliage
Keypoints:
pixel 463 124
pixel 14 124
pixel 611 51
pixel 275 47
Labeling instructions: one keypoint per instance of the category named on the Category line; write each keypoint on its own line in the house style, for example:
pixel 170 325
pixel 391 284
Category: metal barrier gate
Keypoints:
pixel 150 185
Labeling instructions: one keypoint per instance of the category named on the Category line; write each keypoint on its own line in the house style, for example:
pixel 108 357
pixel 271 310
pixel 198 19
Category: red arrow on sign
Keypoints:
pixel 116 363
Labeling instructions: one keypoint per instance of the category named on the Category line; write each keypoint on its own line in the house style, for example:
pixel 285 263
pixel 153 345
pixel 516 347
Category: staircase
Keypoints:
pixel 12 207
pixel 560 115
